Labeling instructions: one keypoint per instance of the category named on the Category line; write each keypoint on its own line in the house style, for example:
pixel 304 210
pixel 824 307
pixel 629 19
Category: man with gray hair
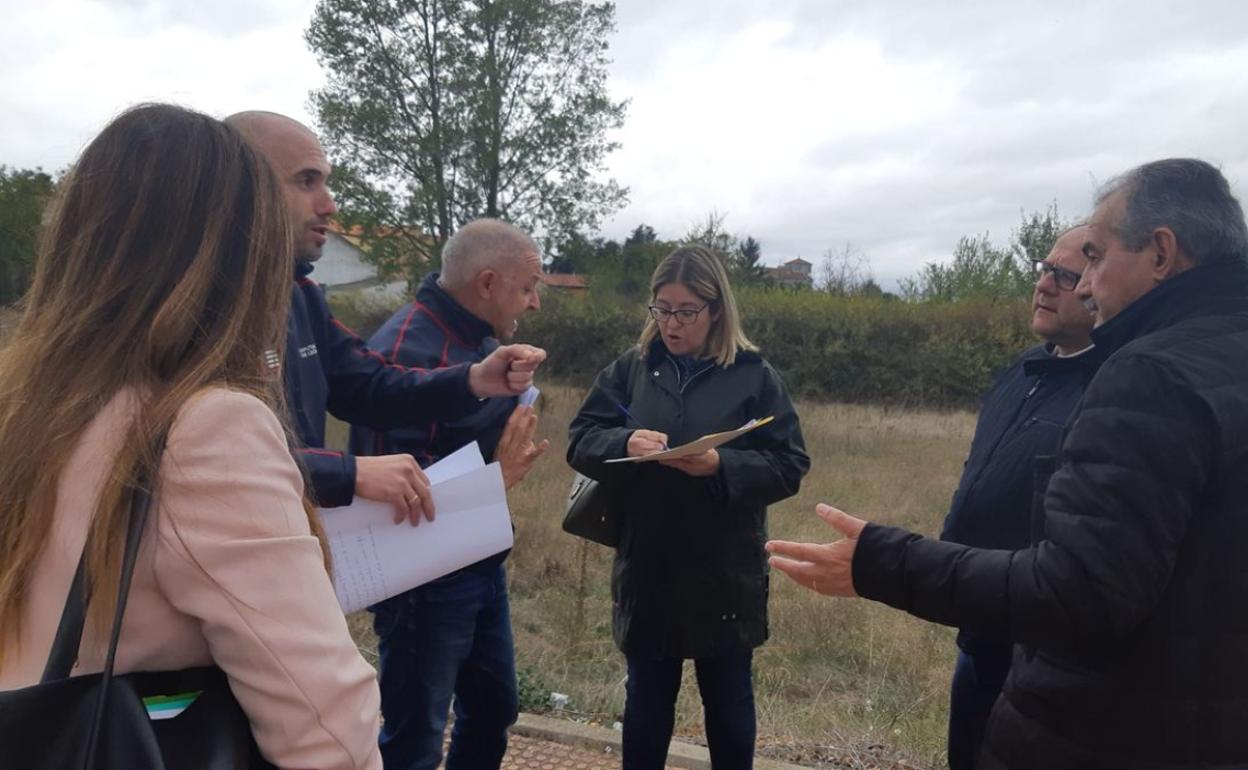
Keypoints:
pixel 452 637
pixel 1130 609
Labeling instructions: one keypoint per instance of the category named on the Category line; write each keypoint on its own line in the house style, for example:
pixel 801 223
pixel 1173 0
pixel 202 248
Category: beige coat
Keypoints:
pixel 228 573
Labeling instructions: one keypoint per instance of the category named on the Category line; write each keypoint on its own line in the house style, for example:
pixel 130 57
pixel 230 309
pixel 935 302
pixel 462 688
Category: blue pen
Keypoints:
pixel 629 416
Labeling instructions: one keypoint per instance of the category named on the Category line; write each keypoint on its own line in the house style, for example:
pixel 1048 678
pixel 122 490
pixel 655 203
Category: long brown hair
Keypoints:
pixel 164 268
pixel 702 273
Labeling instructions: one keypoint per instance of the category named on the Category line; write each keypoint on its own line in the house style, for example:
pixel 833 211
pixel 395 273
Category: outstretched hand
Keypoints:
pixel 825 568
pixel 508 371
pixel 517 451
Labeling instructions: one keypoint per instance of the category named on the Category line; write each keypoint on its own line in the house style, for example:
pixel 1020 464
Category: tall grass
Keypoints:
pixel 846 673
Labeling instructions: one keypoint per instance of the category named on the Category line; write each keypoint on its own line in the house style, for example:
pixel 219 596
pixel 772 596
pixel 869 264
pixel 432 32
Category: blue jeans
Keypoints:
pixel 727 703
pixel 977 681
pixel 448 637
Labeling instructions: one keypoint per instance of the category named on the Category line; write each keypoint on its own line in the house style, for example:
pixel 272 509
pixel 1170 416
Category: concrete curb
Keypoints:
pixel 603 740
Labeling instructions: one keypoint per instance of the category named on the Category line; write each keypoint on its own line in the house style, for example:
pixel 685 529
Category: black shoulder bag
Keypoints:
pixel 590 514
pixel 158 720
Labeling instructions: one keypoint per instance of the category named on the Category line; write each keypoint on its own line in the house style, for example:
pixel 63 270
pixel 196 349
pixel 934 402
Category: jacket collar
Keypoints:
pixel 1043 360
pixel 657 354
pixel 471 330
pixel 302 268
pixel 1200 291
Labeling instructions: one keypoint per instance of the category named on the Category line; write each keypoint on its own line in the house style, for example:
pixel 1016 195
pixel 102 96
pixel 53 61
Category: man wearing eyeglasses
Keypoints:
pixel 1021 420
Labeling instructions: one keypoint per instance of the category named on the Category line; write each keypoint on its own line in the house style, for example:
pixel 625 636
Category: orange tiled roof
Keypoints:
pixel 565 280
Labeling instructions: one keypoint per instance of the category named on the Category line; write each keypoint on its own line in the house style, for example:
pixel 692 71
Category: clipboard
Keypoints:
pixel 697 446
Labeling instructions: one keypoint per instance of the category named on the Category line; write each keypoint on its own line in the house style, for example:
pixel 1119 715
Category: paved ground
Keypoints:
pixel 543 743
pixel 528 753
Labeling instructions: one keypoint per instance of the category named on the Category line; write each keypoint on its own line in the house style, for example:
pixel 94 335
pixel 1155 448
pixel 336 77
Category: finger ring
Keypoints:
pixel 414 498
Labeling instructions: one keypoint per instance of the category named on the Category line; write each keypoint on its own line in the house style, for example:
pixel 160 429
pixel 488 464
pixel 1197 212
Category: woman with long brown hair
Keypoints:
pixel 145 350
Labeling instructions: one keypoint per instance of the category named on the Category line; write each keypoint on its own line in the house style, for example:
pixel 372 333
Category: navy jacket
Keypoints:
pixel 1023 418
pixel 1129 613
pixel 327 367
pixel 436 332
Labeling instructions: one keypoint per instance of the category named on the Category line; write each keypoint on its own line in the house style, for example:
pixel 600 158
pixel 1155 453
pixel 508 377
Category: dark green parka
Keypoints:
pixel 690 575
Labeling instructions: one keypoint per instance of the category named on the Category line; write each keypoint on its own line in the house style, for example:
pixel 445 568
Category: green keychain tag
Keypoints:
pixel 169 706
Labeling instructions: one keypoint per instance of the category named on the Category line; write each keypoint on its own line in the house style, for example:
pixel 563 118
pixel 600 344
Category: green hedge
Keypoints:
pixel 833 348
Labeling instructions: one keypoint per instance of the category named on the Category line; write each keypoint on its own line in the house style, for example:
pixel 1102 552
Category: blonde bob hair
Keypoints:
pixel 702 272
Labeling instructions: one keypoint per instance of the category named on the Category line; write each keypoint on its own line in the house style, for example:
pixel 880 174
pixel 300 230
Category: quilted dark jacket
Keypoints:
pixel 1023 418
pixel 1131 610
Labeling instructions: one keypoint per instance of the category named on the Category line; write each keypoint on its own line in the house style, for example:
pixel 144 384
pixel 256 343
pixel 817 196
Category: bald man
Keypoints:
pixel 327 368
pixel 452 637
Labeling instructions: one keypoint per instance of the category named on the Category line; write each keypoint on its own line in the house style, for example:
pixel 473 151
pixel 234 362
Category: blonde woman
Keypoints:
pixel 690 576
pixel 161 290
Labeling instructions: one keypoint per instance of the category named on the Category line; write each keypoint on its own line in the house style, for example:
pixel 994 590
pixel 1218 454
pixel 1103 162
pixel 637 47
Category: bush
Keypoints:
pixel 363 313
pixel 831 348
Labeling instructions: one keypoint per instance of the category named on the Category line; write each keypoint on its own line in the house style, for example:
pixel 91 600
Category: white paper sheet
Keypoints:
pixel 529 397
pixel 698 446
pixel 374 558
pixel 463 460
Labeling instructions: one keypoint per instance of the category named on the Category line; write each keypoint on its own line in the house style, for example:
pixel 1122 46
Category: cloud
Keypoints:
pixel 897 126
pixel 900 127
pixel 71 66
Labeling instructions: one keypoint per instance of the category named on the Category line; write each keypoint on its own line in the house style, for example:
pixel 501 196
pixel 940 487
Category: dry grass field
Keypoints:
pixel 843 678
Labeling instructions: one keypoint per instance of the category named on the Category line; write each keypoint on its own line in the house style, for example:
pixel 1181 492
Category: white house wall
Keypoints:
pixel 341 263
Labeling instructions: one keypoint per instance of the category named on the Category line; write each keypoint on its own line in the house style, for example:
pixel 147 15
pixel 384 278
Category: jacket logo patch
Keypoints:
pixel 307 351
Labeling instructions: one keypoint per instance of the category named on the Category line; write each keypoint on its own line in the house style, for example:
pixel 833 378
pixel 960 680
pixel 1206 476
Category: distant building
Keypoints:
pixel 343 266
pixel 793 274
pixel 566 282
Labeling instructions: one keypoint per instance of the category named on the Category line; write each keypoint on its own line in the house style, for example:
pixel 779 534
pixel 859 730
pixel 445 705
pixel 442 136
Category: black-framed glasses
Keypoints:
pixel 1066 280
pixel 683 316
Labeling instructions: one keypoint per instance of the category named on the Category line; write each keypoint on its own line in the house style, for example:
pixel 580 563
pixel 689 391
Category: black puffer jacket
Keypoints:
pixel 690 576
pixel 1131 614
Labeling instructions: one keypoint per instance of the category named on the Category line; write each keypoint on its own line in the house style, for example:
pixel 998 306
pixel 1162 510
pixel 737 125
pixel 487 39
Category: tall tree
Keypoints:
pixel 24 194
pixel 441 111
pixel 979 269
pixel 1037 233
pixel 711 233
pixel 846 272
pixel 749 265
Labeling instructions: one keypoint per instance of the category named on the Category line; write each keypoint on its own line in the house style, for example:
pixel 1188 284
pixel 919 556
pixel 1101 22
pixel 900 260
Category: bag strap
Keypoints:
pixel 68 638
pixel 139 506
pixel 69 631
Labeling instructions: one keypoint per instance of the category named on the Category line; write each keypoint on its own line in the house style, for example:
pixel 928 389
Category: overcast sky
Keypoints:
pixel 894 126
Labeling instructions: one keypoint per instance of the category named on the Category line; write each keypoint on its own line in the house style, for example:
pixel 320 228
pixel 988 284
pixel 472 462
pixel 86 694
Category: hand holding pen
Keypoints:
pixel 642 441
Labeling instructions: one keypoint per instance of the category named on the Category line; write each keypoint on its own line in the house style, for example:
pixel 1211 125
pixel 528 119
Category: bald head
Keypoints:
pixel 493 269
pixel 297 158
pixel 1058 314
pixel 258 126
pixel 485 244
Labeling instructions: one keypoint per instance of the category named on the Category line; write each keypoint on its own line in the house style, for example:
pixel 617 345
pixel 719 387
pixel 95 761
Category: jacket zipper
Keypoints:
pixel 695 376
pixel 1011 429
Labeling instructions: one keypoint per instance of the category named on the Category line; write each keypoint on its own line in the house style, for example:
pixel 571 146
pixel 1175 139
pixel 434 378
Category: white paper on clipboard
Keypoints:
pixel 697 446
